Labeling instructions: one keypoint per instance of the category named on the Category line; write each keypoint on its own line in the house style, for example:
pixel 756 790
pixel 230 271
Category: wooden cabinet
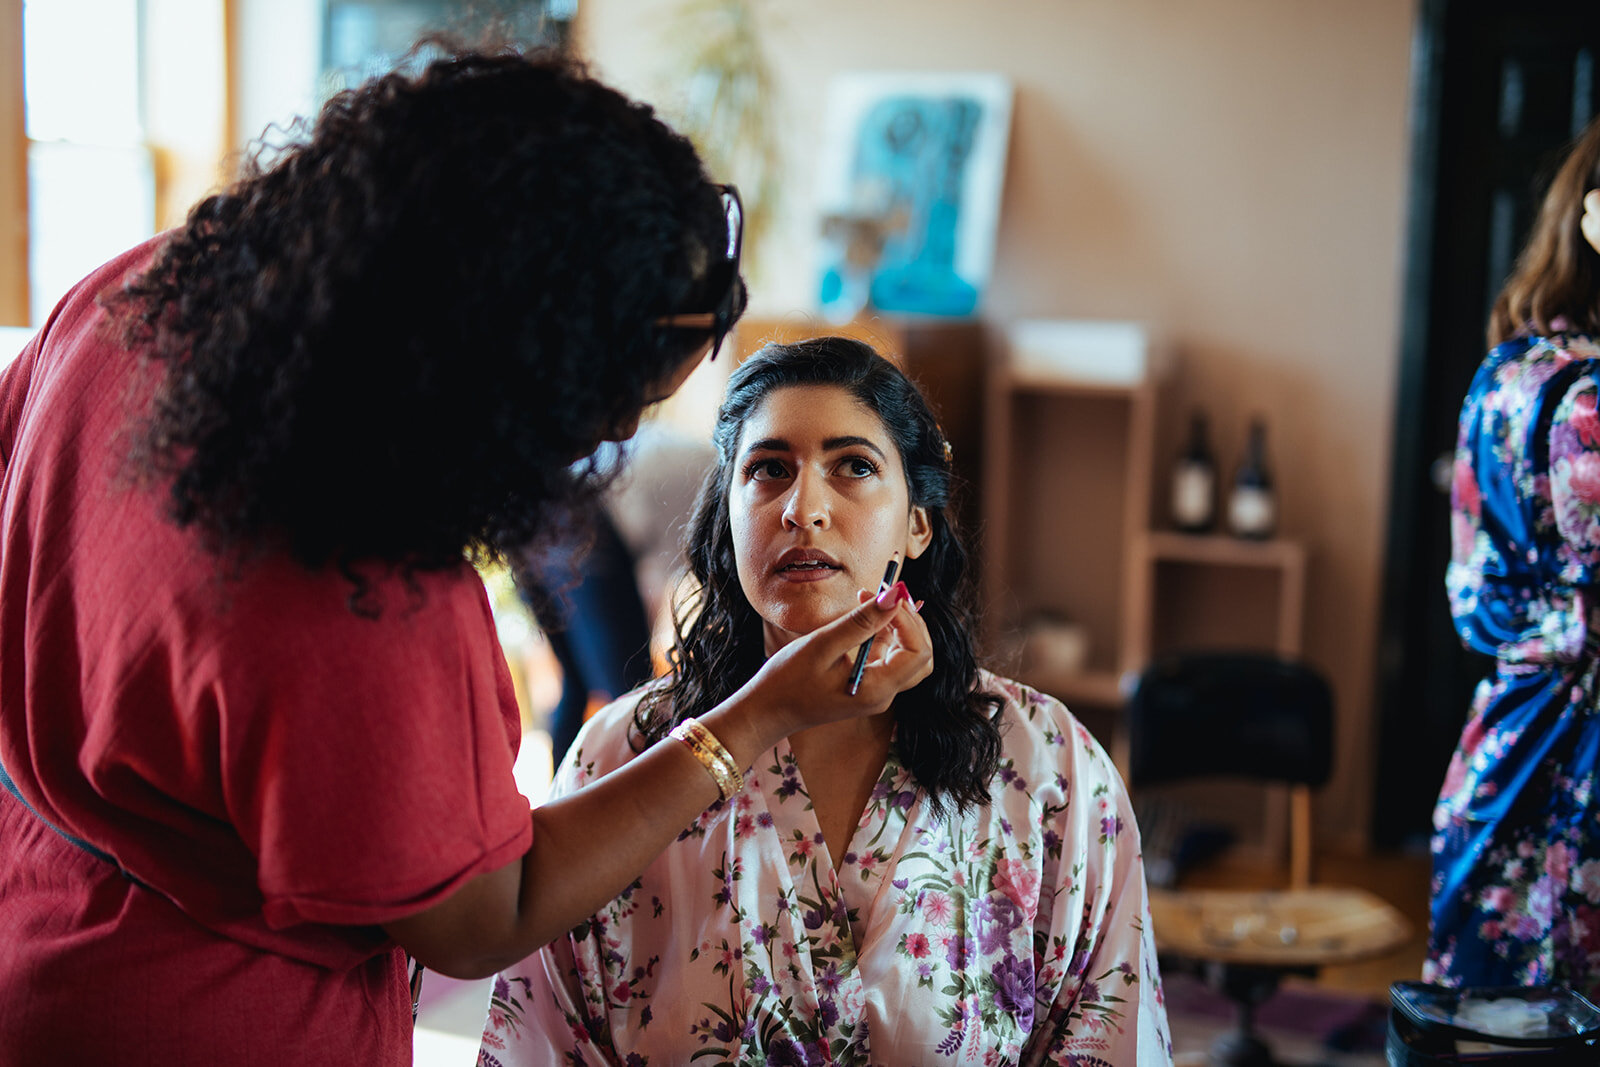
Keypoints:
pixel 1066 496
pixel 1070 505
pixel 1175 594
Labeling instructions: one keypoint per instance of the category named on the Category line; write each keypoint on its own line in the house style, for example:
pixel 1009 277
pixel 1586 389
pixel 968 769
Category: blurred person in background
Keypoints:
pixel 597 604
pixel 1516 881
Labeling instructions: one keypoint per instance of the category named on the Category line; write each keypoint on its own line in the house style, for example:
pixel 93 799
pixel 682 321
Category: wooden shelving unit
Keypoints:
pixel 1263 582
pixel 1066 495
pixel 1069 485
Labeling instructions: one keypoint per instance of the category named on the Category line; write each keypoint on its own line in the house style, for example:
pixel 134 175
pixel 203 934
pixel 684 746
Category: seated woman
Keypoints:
pixel 956 880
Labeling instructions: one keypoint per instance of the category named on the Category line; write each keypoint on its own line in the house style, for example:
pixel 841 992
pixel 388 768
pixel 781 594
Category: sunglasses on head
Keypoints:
pixel 721 319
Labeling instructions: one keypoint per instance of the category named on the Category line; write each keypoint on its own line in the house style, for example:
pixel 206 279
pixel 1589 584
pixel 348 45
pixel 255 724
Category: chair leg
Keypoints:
pixel 1247 988
pixel 1241 1047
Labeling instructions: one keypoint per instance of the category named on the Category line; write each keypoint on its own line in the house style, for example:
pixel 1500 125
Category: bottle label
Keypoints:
pixel 1252 512
pixel 1193 489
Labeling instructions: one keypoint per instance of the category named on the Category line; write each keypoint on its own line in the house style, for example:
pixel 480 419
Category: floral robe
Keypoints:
pixel 1016 933
pixel 1516 882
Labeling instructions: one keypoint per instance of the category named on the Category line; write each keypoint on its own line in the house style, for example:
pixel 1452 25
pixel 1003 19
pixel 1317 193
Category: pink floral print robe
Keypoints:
pixel 1016 933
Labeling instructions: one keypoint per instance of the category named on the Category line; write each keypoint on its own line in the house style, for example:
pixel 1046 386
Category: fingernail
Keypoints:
pixel 917 607
pixel 893 595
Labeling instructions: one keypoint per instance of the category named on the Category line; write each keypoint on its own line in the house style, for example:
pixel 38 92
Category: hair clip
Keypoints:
pixel 948 452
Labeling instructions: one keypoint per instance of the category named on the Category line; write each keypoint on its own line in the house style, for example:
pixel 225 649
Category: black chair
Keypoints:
pixel 1260 718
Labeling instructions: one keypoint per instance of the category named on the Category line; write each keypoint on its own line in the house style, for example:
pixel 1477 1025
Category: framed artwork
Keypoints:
pixel 363 38
pixel 912 168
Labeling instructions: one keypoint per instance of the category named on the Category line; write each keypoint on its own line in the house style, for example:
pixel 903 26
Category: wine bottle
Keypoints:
pixel 1253 504
pixel 1194 482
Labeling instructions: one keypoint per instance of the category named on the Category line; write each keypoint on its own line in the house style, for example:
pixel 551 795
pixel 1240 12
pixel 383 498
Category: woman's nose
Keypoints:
pixel 807 505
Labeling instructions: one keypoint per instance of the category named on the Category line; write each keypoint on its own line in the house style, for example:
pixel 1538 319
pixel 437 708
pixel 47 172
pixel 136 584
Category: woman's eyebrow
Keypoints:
pixel 767 444
pixel 833 444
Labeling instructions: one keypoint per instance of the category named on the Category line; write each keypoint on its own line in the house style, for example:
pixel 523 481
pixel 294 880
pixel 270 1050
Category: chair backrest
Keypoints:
pixel 1236 715
pixel 1230 714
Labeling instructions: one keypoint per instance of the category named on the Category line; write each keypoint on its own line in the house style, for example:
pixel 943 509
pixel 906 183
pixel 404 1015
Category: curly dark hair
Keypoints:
pixel 393 342
pixel 947 730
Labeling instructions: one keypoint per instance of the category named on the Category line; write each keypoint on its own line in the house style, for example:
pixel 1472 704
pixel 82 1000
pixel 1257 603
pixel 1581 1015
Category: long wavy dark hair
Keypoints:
pixel 947 734
pixel 1555 286
pixel 393 342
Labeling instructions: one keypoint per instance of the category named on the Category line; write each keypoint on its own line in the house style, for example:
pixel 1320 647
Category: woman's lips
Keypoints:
pixel 806 565
pixel 807 571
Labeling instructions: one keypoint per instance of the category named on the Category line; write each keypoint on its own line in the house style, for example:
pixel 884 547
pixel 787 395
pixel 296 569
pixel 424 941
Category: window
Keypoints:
pixel 91 182
pixel 124 113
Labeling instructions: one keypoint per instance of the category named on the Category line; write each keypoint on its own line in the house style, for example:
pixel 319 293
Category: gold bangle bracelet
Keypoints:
pixel 709 751
pixel 708 760
pixel 716 759
pixel 712 765
pixel 708 740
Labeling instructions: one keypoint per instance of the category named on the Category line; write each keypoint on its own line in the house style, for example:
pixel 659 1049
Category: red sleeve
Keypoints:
pixel 371 774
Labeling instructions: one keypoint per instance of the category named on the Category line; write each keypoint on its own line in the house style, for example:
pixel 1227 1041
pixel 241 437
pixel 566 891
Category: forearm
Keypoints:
pixel 587 847
pixel 565 877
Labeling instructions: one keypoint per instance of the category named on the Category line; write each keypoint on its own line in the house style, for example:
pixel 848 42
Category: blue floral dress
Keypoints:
pixel 1015 933
pixel 1516 882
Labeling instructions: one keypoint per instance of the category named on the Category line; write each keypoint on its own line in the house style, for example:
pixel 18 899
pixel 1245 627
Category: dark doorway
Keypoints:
pixel 1499 90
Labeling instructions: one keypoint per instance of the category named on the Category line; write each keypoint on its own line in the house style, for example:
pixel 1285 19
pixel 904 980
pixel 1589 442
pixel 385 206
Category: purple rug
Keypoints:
pixel 1340 1024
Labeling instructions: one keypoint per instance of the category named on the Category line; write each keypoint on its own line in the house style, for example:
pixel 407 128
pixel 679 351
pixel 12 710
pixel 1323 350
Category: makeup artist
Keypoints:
pixel 257 728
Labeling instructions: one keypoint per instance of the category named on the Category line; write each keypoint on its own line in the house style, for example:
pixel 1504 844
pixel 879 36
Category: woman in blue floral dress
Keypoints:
pixel 1516 883
pixel 955 881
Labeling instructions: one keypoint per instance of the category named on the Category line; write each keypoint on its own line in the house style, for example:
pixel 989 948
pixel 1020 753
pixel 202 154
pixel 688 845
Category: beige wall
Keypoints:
pixel 1232 171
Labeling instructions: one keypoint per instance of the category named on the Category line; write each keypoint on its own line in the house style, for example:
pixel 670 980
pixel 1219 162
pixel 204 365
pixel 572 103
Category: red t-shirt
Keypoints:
pixel 280 773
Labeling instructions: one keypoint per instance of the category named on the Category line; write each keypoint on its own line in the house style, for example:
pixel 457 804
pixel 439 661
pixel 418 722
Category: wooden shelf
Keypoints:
pixel 1069 481
pixel 1065 478
pixel 1215 591
pixel 1222 550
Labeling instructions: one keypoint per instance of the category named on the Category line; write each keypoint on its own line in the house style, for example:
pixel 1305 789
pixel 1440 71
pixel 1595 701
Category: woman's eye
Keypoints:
pixel 763 470
pixel 859 467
